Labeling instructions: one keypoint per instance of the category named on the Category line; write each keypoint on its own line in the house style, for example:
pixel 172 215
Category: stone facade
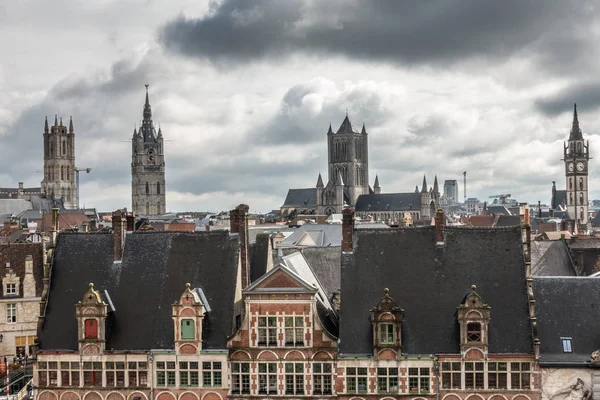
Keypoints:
pixel 148 189
pixel 22 287
pixel 59 163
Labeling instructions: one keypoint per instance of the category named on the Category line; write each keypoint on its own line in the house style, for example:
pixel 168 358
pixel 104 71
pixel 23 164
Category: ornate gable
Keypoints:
pixel 91 313
pixel 386 319
pixel 188 316
pixel 473 317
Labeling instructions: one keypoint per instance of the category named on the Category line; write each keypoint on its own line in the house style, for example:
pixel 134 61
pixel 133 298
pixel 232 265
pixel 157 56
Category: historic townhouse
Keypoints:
pixel 286 345
pixel 137 316
pixel 435 312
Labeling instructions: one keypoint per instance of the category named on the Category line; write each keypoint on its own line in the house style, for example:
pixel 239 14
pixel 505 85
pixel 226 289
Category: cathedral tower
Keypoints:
pixel 147 167
pixel 59 163
pixel 576 158
pixel 348 157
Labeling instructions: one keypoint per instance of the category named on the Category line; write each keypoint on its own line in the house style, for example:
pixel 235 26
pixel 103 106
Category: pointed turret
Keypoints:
pixel 61 121
pixel 346 126
pixel 46 126
pixel 364 129
pixel 376 187
pixel 575 130
pixel 159 132
pixel 330 131
pixel 55 120
pixel 71 124
pixel 436 188
pixel 134 132
pixel 147 108
pixel 340 180
pixel 424 188
pixel 320 181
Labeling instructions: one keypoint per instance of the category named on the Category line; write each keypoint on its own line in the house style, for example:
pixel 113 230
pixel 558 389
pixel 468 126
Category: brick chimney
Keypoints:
pixel 440 221
pixel 130 217
pixel 118 225
pixel 238 223
pixel 347 229
pixel 85 226
pixel 20 191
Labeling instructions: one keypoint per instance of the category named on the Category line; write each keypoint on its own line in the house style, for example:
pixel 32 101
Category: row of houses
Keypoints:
pixel 433 312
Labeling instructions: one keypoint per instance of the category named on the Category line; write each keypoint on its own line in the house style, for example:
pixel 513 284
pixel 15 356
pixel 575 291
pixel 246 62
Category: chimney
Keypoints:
pixel 118 234
pixel 86 226
pixel 54 229
pixel 239 224
pixel 130 217
pixel 440 221
pixel 539 209
pixel 347 229
pixel 20 191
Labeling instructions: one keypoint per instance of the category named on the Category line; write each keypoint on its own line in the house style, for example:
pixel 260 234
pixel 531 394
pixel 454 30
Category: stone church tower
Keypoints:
pixel 576 158
pixel 59 163
pixel 148 167
pixel 348 169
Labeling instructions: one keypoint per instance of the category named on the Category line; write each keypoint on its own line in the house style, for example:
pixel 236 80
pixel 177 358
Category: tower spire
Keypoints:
pixel 46 125
pixel 71 124
pixel 436 188
pixel 320 181
pixel 55 119
pixel 147 108
pixel 575 130
pixel 424 188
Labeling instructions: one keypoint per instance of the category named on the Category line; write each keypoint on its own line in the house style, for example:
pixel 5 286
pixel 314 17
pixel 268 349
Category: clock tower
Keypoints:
pixel 576 158
pixel 148 167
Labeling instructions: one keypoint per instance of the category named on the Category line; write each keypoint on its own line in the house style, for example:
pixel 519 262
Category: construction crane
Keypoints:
pixel 501 197
pixel 77 171
pixel 465 184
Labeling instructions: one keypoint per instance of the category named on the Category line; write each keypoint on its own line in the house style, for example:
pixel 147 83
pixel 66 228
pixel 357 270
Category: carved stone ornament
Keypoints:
pixel 596 356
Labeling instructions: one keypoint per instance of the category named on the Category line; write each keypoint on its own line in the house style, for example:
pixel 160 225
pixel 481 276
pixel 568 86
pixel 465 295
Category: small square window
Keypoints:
pixel 567 345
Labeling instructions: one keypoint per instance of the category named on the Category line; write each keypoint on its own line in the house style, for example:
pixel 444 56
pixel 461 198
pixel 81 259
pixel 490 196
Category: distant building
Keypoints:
pixel 148 190
pixel 59 163
pixel 451 191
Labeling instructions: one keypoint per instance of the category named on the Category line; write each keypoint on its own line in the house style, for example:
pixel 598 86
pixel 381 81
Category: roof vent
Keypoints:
pixel 7 265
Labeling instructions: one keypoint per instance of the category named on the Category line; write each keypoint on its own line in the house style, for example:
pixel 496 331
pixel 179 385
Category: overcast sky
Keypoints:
pixel 245 90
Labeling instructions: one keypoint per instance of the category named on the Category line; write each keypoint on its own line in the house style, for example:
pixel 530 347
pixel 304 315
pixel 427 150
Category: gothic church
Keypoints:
pixel 147 167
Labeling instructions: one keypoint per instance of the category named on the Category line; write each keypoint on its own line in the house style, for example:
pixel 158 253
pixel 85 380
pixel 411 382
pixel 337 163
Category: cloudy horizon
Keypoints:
pixel 244 92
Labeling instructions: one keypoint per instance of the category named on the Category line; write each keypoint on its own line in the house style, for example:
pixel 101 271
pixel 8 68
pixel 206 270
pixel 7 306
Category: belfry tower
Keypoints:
pixel 59 163
pixel 576 158
pixel 147 167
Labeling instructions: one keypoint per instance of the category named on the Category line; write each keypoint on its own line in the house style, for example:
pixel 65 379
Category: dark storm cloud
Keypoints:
pixel 403 32
pixel 586 95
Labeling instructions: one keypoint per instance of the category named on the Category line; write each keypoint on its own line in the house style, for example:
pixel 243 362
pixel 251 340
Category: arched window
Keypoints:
pixel 187 329
pixel 147 188
pixel 64 147
pixel 91 329
pixel 571 198
pixel 474 332
pixel 62 173
pixel 68 173
pixel 147 208
pixel 581 214
pixel 581 198
pixel 157 187
pixel 580 183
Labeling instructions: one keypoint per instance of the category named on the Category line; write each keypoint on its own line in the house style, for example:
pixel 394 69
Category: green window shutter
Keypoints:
pixel 187 329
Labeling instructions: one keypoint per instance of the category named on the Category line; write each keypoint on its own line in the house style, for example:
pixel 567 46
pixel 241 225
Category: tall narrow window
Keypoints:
pixel 356 380
pixel 91 329
pixel 267 331
pixel 580 183
pixel 187 329
pixel 567 344
pixel 11 313
pixel 520 375
pixel 147 208
pixel 322 379
pixel 497 375
pixel 418 380
pixel 62 173
pixel 157 187
pixel 386 334
pixel 387 380
pixel 64 147
pixel 474 375
pixel 474 332
pixel 294 378
pixel 147 188
pixel 267 378
pixel 240 378
pixel 294 331
pixel 451 375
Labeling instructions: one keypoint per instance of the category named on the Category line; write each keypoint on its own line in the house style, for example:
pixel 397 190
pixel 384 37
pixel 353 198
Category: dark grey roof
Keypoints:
pixel 498 209
pixel 301 198
pixel 326 264
pixel 559 198
pixel 346 127
pixel 155 268
pixel 550 258
pixel 429 283
pixel 596 220
pixel 507 220
pixel 388 202
pixel 567 307
pixel 259 256
pixel 587 243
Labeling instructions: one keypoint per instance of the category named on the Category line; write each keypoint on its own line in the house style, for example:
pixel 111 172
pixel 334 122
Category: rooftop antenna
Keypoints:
pixel 465 184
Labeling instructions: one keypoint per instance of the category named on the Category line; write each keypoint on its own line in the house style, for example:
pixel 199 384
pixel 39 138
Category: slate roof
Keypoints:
pixel 550 258
pixel 430 282
pixel 588 243
pixel 596 220
pixel 15 254
pixel 559 198
pixel 152 275
pixel 507 220
pixel 567 307
pixel 326 263
pixel 301 198
pixel 395 201
pixel 14 206
pixel 259 252
pixel 323 234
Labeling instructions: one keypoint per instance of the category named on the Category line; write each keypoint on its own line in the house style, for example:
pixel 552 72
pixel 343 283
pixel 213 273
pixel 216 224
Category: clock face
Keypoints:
pixel 580 166
pixel 571 167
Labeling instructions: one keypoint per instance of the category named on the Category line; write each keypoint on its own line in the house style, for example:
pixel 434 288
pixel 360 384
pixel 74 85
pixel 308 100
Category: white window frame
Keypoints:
pixel 11 313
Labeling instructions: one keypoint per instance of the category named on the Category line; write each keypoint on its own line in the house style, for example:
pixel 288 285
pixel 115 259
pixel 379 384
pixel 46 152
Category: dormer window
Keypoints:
pixel 187 329
pixel 386 334
pixel 474 332
pixel 386 320
pixel 91 329
pixel 567 345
